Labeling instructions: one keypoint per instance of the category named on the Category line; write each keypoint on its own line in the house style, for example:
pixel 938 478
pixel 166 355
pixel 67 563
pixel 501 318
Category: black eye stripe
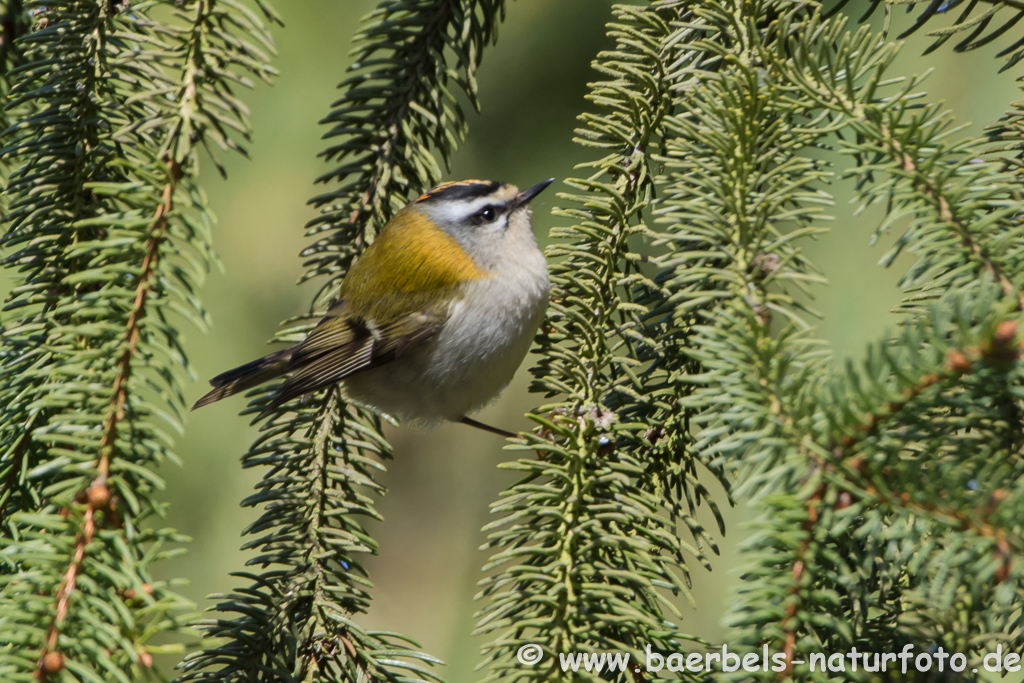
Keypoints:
pixel 487 214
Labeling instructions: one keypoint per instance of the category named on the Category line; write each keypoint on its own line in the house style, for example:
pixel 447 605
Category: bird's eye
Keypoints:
pixel 485 215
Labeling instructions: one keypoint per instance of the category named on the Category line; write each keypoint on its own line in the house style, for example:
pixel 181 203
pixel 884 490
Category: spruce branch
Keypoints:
pixel 143 291
pixel 927 179
pixel 398 111
pixel 106 234
pixel 983 22
pixel 586 551
pixel 853 494
pixel 679 344
pixel 97 496
pixel 297 618
pixel 739 194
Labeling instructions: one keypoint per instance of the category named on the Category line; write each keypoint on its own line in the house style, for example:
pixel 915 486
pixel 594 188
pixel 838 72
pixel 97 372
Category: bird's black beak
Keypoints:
pixel 524 197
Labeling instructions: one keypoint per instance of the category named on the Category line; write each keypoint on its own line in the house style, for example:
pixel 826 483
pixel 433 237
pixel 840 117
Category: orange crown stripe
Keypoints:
pixel 451 183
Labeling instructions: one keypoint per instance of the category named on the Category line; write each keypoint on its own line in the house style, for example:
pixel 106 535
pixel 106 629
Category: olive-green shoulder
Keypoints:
pixel 410 266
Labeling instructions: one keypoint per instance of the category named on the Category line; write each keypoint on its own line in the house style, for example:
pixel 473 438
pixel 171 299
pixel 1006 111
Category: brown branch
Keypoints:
pixel 925 186
pixel 97 496
pixel 961 519
pixel 158 232
pixel 51 660
pixel 923 183
pixel 799 566
pixel 1000 347
pixel 63 593
pixel 789 632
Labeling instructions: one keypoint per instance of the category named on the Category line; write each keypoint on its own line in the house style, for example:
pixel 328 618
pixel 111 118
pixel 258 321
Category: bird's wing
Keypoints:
pixel 344 343
pixel 387 306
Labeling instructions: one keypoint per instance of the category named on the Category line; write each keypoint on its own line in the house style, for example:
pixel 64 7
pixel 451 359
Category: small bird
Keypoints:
pixel 432 320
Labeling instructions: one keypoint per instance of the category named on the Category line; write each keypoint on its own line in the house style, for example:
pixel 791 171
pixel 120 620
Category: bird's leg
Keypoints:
pixel 487 428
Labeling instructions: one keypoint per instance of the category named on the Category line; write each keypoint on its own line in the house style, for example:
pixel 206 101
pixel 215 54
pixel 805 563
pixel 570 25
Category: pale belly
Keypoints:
pixel 468 363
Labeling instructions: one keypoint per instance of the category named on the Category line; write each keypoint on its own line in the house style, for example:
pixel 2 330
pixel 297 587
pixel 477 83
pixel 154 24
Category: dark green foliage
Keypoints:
pixel 295 620
pixel 397 112
pixel 106 235
pixel 888 520
pixel 887 513
pixel 588 558
pixel 14 22
pixel 973 23
pixel 678 353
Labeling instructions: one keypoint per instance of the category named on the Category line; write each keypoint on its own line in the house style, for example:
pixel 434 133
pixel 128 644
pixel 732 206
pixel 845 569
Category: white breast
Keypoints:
pixel 475 355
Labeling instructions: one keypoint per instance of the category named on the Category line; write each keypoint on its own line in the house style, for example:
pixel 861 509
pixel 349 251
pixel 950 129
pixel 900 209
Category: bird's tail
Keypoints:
pixel 246 376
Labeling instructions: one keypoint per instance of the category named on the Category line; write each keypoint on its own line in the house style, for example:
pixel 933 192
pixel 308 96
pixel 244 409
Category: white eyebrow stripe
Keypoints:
pixel 458 211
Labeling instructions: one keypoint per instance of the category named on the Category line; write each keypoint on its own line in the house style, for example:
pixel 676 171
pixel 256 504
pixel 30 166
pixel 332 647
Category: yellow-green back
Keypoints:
pixel 411 266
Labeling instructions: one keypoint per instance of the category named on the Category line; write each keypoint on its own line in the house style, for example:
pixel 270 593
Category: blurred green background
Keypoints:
pixel 442 481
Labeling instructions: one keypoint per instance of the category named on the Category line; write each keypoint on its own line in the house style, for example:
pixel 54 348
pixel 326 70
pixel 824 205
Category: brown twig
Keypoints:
pixel 925 186
pixel 158 232
pixel 51 655
pixel 799 566
pixel 97 496
pixel 1000 347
